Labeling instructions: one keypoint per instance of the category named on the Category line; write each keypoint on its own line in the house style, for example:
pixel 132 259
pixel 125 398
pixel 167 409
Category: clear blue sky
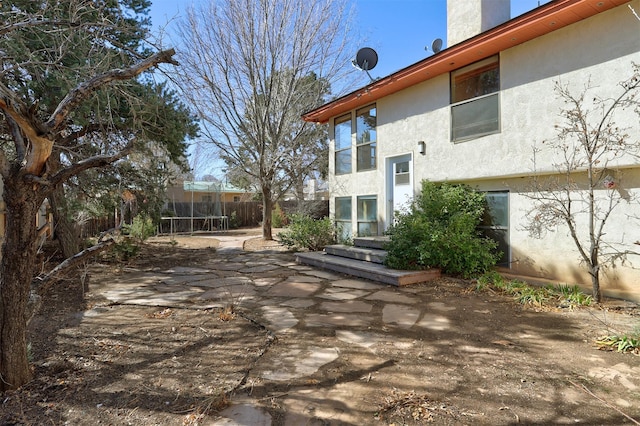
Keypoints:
pixel 398 30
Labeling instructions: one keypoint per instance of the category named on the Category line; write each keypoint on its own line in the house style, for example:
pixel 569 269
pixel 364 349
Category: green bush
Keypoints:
pixel 278 217
pixel 309 233
pixel 234 222
pixel 126 249
pixel 141 229
pixel 440 230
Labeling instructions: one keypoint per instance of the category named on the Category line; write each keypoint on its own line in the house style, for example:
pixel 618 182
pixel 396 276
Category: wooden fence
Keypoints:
pixel 234 215
pixel 207 217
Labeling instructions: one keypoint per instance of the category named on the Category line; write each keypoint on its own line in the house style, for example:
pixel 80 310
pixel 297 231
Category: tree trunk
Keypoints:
pixel 18 259
pixel 66 230
pixel 595 280
pixel 267 207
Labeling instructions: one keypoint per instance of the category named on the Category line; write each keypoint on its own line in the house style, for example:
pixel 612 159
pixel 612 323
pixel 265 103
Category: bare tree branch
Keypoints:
pixel 93 162
pixel 82 91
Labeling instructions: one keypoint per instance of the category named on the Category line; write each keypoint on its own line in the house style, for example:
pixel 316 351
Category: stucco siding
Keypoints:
pixel 599 50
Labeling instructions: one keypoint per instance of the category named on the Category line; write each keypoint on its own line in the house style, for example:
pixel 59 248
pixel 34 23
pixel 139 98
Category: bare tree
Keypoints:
pixel 29 133
pixel 588 184
pixel 254 68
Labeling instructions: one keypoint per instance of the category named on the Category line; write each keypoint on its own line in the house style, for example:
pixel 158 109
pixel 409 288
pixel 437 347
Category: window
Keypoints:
pixel 206 198
pixel 342 129
pixel 236 198
pixel 402 175
pixel 495 223
pixel 367 216
pixel 343 218
pixel 366 138
pixel 475 108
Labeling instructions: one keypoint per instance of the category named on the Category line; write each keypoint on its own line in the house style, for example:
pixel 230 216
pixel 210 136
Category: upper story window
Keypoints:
pixel 342 131
pixel 475 107
pixel 366 138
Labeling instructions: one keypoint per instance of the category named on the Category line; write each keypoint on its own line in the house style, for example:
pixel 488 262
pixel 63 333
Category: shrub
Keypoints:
pixel 278 217
pixel 309 233
pixel 440 230
pixel 141 228
pixel 126 249
pixel 234 223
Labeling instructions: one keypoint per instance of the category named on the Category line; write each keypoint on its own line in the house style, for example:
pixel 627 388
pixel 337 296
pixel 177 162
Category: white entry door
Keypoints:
pixel 402 188
pixel 399 185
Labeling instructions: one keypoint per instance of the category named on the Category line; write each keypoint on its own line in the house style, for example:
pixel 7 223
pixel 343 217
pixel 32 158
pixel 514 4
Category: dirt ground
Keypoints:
pixel 97 362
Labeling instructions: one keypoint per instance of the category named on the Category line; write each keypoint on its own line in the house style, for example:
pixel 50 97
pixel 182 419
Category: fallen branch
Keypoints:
pixel 587 391
pixel 74 260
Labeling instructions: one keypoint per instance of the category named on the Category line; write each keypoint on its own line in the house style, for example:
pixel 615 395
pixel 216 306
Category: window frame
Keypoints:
pixel 343 150
pixel 369 145
pixel 484 99
pixel 362 220
pixel 343 224
pixel 496 228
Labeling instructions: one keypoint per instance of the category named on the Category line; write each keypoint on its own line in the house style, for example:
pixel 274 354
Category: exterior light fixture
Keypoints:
pixel 422 147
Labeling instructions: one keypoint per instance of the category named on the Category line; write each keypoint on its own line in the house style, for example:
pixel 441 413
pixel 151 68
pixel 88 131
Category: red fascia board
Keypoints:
pixel 535 23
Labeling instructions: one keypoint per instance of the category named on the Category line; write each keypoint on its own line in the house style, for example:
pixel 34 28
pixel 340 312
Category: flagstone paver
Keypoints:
pixel 359 284
pixel 293 289
pixel 400 315
pixel 347 306
pixel 337 320
pixel 342 294
pixel 300 362
pixel 434 322
pixel 281 319
pixel 392 297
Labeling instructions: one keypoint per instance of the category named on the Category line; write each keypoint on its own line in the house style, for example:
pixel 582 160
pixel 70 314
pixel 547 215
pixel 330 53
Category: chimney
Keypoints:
pixel 468 18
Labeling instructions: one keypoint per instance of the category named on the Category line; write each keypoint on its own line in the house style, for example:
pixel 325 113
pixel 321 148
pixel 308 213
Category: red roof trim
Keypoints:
pixel 535 23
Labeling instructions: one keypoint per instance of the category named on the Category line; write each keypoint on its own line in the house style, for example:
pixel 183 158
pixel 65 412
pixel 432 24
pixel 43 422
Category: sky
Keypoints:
pixel 398 30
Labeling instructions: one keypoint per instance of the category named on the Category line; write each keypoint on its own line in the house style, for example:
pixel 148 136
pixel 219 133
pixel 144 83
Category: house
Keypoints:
pixel 473 112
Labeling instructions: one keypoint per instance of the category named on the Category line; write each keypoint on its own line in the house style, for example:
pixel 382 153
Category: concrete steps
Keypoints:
pixel 358 253
pixel 365 260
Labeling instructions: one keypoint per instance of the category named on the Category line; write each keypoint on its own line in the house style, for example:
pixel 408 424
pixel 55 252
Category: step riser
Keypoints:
pixel 371 242
pixel 366 255
pixel 371 271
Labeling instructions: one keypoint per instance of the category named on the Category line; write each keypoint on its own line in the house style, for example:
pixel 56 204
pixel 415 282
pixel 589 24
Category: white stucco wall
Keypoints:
pixel 600 49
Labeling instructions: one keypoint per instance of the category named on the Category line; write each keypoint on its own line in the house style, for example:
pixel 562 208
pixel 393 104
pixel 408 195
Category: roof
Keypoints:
pixel 535 23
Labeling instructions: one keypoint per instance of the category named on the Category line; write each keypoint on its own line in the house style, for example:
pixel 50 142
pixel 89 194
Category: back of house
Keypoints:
pixel 487 111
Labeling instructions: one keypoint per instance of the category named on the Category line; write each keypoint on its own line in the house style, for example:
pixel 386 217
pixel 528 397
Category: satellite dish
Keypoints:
pixel 366 59
pixel 436 46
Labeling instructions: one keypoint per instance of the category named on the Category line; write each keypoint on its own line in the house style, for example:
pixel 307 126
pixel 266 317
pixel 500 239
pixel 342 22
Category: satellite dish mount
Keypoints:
pixel 366 59
pixel 436 46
